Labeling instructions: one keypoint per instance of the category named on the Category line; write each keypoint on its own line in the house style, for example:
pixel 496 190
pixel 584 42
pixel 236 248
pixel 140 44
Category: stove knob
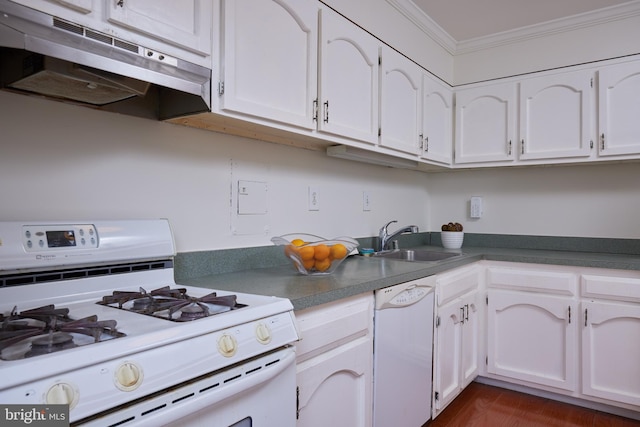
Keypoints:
pixel 128 376
pixel 263 333
pixel 227 345
pixel 61 394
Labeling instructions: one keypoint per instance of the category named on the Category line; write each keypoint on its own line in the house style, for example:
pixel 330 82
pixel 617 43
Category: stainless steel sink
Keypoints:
pixel 416 255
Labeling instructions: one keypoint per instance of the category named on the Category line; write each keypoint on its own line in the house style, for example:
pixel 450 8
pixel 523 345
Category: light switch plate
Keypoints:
pixel 314 199
pixel 366 201
pixel 475 210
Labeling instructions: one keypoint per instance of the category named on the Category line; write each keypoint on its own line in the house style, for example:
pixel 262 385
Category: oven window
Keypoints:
pixel 243 423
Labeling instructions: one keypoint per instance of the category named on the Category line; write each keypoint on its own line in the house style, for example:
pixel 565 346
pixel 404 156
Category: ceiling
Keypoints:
pixel 470 19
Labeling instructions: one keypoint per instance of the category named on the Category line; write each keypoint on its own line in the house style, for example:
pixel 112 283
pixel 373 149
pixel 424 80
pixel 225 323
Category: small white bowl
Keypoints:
pixel 452 239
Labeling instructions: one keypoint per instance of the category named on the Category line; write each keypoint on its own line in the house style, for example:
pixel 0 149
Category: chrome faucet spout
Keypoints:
pixel 385 238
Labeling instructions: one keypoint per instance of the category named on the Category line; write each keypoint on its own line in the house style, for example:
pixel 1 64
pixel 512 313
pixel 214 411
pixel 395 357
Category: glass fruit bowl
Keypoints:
pixel 312 254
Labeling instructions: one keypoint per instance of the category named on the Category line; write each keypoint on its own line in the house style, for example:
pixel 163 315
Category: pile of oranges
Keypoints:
pixel 316 257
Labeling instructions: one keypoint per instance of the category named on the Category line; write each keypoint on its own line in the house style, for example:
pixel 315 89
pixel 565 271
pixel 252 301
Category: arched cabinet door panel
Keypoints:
pixel 269 57
pixel 486 124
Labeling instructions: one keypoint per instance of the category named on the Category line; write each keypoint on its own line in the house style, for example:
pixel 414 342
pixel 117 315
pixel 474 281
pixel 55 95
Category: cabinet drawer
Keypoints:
pixel 330 325
pixel 611 288
pixel 549 282
pixel 452 285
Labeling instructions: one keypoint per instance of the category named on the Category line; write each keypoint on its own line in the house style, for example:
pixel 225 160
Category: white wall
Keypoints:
pixel 64 162
pixel 555 49
pixel 581 201
pixel 59 161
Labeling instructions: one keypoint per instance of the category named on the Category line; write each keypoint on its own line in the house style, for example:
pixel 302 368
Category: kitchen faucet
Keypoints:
pixel 384 237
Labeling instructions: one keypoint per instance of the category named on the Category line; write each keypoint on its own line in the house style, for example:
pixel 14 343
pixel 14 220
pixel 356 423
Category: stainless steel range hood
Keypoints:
pixel 41 54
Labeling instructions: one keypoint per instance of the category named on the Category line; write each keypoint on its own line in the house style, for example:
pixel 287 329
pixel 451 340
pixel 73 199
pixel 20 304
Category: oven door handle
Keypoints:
pixel 216 396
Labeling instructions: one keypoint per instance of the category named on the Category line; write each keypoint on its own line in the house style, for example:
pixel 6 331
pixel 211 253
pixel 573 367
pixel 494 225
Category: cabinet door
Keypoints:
pixel 400 102
pixel 348 85
pixel 611 351
pixel 186 24
pixel 555 116
pixel 447 354
pixel 269 59
pixel 532 337
pixel 437 121
pixel 485 124
pixel 470 339
pixel 619 109
pixel 335 387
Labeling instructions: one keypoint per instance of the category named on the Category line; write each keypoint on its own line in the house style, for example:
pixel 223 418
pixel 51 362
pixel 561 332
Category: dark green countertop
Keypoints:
pixel 359 274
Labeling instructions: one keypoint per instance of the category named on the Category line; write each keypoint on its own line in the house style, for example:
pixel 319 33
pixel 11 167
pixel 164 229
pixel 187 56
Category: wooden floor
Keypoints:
pixel 482 405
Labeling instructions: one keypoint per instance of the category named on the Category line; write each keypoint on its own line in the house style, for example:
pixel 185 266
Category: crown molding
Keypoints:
pixel 427 25
pixel 556 26
pixel 584 20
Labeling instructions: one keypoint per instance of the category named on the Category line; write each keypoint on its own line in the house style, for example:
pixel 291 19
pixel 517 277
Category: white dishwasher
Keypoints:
pixel 403 354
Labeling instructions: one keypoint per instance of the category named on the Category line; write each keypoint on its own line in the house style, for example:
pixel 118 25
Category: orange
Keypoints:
pixel 297 242
pixel 308 264
pixel 323 264
pixel 306 253
pixel 321 252
pixel 338 251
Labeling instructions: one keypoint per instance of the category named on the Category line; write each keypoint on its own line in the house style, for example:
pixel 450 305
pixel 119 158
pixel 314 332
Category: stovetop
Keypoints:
pixel 49 329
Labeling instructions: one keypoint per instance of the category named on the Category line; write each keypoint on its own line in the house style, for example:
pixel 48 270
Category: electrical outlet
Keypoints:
pixel 314 199
pixel 366 201
pixel 475 210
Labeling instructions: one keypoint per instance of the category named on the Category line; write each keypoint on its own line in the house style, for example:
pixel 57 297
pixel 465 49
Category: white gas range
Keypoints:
pixel 90 317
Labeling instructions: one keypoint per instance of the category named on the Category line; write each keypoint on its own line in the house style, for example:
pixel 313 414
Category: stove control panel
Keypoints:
pixel 38 238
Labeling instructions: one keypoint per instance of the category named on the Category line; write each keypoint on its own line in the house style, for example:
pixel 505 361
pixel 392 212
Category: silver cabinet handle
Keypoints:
pixel 315 110
pixel 326 111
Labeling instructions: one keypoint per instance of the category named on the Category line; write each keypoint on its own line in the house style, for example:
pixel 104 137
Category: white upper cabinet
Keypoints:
pixel 486 124
pixel 555 116
pixel 177 29
pixel 269 60
pixel 70 10
pixel 348 82
pixel 619 109
pixel 400 100
pixel 437 121
pixel 186 24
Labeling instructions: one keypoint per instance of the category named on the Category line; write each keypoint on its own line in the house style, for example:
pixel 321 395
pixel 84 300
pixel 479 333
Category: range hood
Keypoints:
pixel 43 55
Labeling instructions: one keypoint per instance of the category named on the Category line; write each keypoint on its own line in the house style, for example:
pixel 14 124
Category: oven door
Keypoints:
pixel 258 393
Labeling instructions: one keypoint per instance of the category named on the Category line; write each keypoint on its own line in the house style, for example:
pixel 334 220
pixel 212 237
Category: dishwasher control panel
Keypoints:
pixel 404 294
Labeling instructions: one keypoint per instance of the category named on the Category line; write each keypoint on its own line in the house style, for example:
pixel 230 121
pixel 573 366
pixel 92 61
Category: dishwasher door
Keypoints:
pixel 403 353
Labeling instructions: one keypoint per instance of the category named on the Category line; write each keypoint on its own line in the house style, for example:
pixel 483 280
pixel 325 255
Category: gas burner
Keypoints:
pixel 52 342
pixel 142 297
pixel 171 304
pixel 46 330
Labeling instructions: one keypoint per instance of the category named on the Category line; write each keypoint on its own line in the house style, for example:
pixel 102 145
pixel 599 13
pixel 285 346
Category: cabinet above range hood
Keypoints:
pixel 46 56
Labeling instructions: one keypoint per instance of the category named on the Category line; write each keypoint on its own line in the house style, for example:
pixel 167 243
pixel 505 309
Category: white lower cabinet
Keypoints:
pixel 335 364
pixel 546 332
pixel 456 336
pixel 610 338
pixel 532 337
